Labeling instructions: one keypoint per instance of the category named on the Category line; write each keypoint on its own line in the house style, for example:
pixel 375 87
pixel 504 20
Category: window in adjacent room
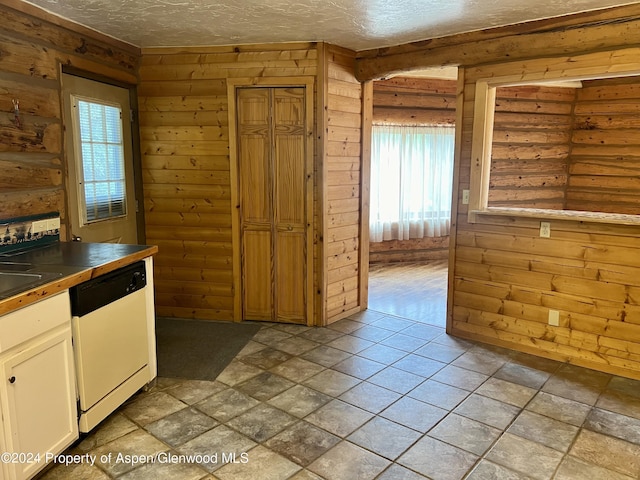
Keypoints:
pixel 411 181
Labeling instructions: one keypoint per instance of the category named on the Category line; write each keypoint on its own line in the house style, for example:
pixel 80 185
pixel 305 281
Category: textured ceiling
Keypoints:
pixel 354 24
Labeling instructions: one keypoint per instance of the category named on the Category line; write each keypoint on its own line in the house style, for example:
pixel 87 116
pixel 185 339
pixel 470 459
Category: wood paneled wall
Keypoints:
pixel 185 145
pixel 506 278
pixel 413 101
pixel 530 151
pixel 342 177
pixel 605 152
pixel 33 47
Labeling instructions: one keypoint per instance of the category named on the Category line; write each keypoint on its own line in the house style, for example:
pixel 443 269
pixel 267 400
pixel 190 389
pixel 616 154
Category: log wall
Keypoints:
pixel 342 185
pixel 413 101
pixel 605 148
pixel 185 146
pixel 33 47
pixel 506 278
pixel 530 151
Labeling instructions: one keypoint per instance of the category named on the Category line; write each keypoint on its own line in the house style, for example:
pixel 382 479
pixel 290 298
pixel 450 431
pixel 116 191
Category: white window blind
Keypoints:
pixel 101 141
pixel 411 181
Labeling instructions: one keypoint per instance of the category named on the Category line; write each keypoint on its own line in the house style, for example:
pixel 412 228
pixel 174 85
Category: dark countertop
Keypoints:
pixel 72 263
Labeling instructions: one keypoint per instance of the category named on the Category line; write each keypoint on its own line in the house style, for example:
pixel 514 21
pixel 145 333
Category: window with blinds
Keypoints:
pixel 103 191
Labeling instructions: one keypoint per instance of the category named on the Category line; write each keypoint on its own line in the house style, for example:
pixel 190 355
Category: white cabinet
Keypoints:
pixel 37 387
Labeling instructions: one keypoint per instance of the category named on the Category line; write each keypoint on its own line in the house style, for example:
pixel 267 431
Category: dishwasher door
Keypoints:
pixel 110 341
pixel 110 345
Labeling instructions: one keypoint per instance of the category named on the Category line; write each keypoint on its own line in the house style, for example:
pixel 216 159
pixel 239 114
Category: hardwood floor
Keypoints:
pixel 417 291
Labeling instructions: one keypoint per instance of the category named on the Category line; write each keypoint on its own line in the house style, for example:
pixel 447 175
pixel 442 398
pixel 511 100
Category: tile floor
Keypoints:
pixel 373 396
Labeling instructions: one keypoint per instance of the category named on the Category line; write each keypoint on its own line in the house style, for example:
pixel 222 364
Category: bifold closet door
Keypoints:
pixel 271 169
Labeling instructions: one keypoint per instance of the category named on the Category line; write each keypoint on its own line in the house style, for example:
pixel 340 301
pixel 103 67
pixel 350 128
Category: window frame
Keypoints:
pixel 79 160
pixel 482 139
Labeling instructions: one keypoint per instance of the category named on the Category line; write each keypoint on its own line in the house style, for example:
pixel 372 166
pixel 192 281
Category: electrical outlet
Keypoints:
pixel 554 318
pixel 53 223
pixel 465 197
pixel 545 229
pixel 38 226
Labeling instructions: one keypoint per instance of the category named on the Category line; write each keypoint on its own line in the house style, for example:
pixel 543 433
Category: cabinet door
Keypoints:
pixel 39 404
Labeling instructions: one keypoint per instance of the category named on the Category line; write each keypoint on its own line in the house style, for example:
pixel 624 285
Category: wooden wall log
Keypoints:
pixel 33 45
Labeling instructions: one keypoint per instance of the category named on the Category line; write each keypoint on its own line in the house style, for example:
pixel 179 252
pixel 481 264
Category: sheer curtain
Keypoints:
pixel 411 182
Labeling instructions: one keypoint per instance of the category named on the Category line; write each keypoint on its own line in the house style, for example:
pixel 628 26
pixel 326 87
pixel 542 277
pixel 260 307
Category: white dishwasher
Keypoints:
pixel 110 341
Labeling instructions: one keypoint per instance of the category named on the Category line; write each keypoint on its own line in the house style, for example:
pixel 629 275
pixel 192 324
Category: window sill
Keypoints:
pixel 565 215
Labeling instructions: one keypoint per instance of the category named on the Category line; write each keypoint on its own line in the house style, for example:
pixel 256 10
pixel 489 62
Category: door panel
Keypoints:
pixel 255 186
pixel 121 228
pixel 257 274
pixel 290 288
pixel 289 177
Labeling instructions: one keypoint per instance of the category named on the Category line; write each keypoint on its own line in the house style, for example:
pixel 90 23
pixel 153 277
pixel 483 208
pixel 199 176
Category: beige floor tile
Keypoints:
pixel 325 356
pixel 488 411
pixel 331 382
pixel 165 471
pixel 264 386
pixel 119 456
pixel 339 418
pixel 506 392
pixel 261 422
pixel 297 369
pixel 349 461
pixel 370 397
pixel 486 470
pixel 193 391
pixel 181 426
pixel 547 431
pixel 614 424
pixel 114 426
pixel 215 447
pixel 145 409
pixel 607 452
pixel 300 401
pixel 80 471
pixel 525 456
pixel 460 377
pixel 262 464
pixel 573 468
pixel 384 437
pixel 414 414
pixel 396 380
pixel 227 404
pixel 398 472
pixel 464 433
pixel 237 372
pixel 302 443
pixel 559 408
pixel 438 460
pixel 439 394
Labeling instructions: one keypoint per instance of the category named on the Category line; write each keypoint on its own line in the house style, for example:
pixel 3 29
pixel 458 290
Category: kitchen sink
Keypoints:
pixel 13 282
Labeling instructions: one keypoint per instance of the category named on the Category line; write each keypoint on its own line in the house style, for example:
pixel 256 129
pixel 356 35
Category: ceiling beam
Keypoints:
pixel 572 34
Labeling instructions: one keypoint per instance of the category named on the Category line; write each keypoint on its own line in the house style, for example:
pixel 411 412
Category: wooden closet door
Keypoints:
pixel 254 167
pixel 271 168
pixel 289 203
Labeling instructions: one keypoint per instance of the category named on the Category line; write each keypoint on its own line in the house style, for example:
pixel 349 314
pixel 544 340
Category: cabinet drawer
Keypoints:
pixel 30 321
